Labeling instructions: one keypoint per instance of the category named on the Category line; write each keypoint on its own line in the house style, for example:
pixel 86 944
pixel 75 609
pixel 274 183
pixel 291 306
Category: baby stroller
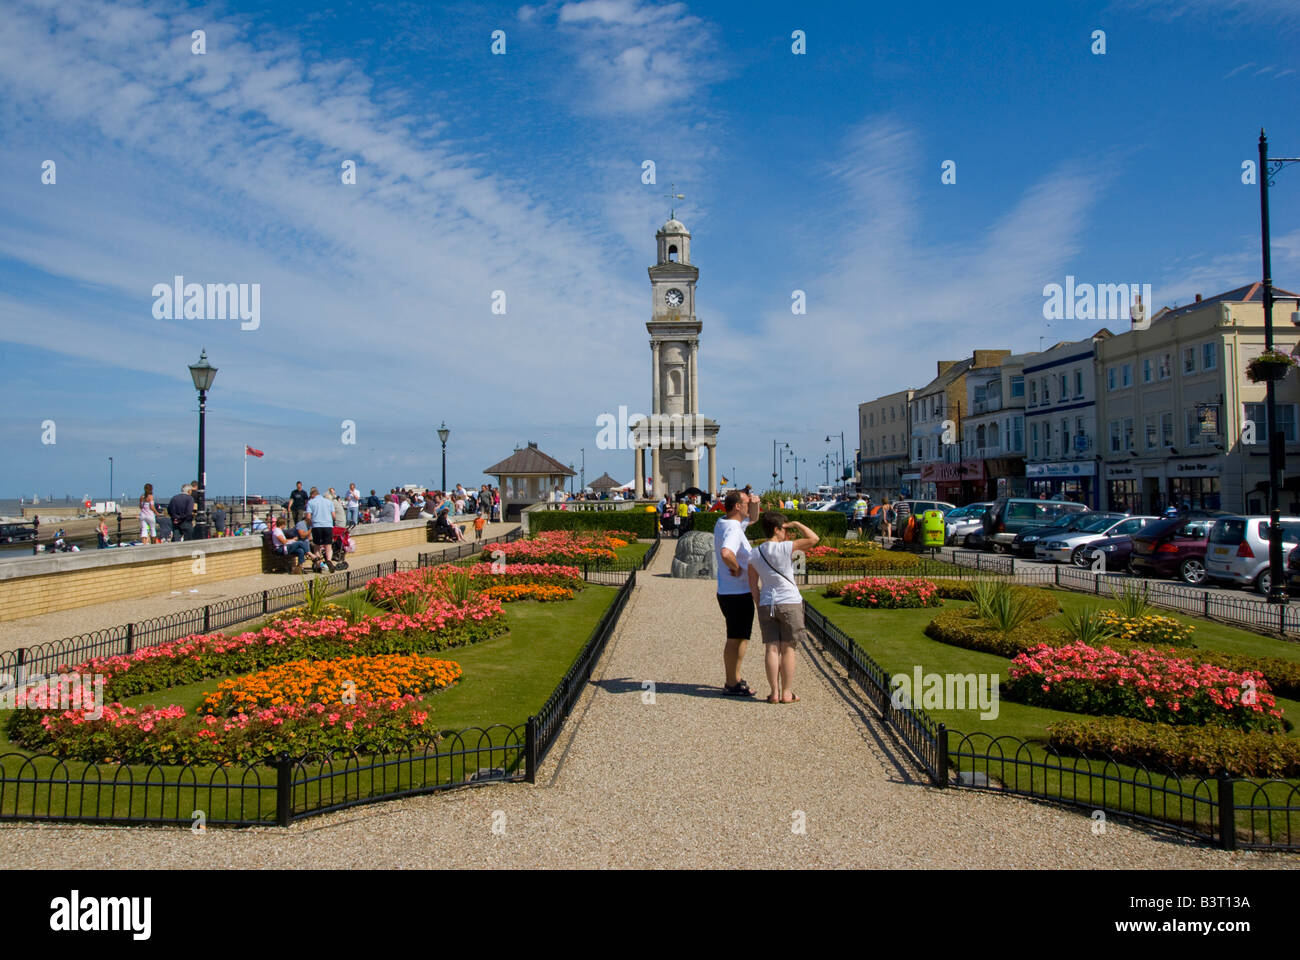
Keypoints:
pixel 343 545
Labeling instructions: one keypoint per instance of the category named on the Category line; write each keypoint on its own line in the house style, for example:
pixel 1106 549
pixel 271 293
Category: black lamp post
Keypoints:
pixel 110 478
pixel 443 433
pixel 1268 167
pixel 572 474
pixel 843 457
pixel 202 373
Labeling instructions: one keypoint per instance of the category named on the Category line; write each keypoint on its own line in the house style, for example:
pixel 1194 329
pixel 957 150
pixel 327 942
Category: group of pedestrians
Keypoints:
pixel 759 579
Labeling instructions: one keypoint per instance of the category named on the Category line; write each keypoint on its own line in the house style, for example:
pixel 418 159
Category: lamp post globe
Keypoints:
pixel 443 433
pixel 203 374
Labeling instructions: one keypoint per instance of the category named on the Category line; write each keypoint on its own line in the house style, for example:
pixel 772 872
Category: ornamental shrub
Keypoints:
pixel 511 592
pixel 1187 751
pixel 961 628
pixel 827 523
pixel 1145 684
pixel 1148 629
pixel 638 523
pixel 889 593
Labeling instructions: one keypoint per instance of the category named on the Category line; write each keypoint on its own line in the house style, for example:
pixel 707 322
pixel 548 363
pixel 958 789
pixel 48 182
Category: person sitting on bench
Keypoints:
pixel 296 548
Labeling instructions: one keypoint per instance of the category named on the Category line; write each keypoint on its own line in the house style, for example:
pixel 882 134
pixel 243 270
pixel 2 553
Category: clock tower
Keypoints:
pixel 677 435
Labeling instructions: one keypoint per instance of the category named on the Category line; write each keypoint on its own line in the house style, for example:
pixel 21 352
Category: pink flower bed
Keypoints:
pixel 1150 684
pixel 395 585
pixel 890 593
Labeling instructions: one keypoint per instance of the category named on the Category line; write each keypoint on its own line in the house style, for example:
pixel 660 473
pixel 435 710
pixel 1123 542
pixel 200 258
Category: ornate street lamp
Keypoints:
pixel 1268 167
pixel 202 373
pixel 443 433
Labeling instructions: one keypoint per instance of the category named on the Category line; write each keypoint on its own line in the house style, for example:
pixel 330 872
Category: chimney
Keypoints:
pixel 989 358
pixel 1198 298
pixel 944 366
pixel 532 444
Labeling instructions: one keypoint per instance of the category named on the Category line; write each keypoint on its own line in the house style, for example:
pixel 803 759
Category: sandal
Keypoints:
pixel 741 689
pixel 794 698
pixel 773 699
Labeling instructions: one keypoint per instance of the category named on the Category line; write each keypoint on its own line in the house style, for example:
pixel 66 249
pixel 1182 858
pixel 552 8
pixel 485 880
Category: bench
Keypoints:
pixel 437 535
pixel 273 562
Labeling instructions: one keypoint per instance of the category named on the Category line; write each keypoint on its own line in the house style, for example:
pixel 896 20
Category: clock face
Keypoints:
pixel 674 297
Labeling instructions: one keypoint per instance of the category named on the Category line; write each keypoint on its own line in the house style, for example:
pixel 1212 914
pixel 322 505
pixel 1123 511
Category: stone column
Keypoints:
pixel 638 476
pixel 713 469
pixel 654 376
pixel 656 485
pixel 695 466
pixel 695 384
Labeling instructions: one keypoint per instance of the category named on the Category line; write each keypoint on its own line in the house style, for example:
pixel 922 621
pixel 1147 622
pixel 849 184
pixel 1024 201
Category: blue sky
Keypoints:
pixel 522 173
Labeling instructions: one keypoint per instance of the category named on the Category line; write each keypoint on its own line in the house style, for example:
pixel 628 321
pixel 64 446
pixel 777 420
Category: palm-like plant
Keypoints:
pixel 996 603
pixel 1132 600
pixel 1085 625
pixel 316 591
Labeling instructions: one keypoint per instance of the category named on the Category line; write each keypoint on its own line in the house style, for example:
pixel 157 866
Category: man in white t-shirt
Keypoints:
pixel 731 552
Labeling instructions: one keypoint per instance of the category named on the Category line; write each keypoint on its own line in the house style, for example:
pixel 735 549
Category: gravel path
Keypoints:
pixel 692 780
pixel 27 631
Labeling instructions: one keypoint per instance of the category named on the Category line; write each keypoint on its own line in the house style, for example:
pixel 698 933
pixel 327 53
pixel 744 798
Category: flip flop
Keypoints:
pixel 793 699
pixel 773 699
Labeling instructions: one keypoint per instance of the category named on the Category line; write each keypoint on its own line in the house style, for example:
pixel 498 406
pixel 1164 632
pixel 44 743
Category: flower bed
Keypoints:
pixel 1149 629
pixel 560 546
pixel 1199 751
pixel 1145 684
pixel 168 735
pixel 302 682
pixel 510 593
pixel 889 593
pixel 384 590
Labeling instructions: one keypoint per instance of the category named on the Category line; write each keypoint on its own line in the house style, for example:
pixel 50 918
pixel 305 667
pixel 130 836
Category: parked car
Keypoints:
pixel 1238 550
pixel 1011 515
pixel 1172 547
pixel 17 532
pixel 1115 552
pixel 959 524
pixel 1026 540
pixel 1073 547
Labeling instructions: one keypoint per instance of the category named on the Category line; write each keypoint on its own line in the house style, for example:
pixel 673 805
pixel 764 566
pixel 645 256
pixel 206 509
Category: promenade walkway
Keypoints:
pixel 28 631
pixel 693 779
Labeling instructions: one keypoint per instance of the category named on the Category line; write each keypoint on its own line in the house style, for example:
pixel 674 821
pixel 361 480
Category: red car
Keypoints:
pixel 1174 547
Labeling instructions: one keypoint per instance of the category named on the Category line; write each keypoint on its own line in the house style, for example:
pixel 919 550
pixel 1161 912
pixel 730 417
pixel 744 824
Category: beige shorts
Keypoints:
pixel 785 627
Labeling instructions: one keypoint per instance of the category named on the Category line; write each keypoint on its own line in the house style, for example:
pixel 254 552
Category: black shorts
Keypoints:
pixel 322 535
pixel 738 609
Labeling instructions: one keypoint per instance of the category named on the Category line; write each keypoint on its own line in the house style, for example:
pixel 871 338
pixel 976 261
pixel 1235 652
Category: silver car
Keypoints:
pixel 959 524
pixel 1072 547
pixel 1238 550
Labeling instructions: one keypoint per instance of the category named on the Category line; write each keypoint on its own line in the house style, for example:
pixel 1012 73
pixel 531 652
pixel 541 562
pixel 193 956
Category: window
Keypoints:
pixel 1166 429
pixel 1033 393
pixel 893 442
pixel 1286 421
pixel 1017 386
pixel 1078 384
pixel 979 436
pixel 1194 427
pixel 1047 390
pixel 1078 427
pixel 1114 436
pixel 1017 434
pixel 981 397
pixel 1047 438
pixel 1126 375
pixel 1128 433
pixel 872 420
pixel 1150 423
pixel 1189 360
pixel 993 434
pixel 1146 370
pixel 1166 366
pixel 1209 355
pixel 1065 435
pixel 1111 378
pixel 872 445
pixel 1065 387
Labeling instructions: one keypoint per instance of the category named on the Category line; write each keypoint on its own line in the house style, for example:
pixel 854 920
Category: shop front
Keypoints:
pixel 1194 484
pixel 910 487
pixel 1123 483
pixel 1063 480
pixel 958 483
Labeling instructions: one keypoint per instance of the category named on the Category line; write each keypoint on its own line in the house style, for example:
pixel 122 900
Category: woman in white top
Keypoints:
pixel 780 605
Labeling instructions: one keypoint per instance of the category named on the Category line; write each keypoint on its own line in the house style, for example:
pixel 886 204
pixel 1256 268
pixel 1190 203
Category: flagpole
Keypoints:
pixel 250 525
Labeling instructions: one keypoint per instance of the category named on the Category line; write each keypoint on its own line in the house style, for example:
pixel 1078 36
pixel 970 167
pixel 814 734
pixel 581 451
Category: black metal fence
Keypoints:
pixel 1232 812
pixel 51 656
pixel 544 726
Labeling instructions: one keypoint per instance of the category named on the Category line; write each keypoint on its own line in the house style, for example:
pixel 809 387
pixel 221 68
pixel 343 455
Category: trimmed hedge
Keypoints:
pixel 1203 751
pixel 879 562
pixel 643 524
pixel 960 629
pixel 827 523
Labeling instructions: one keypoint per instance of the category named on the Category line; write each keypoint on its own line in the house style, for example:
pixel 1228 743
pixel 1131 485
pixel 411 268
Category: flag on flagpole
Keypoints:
pixel 725 481
pixel 250 452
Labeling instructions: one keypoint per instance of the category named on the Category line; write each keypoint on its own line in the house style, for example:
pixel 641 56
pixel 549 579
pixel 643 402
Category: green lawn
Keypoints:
pixel 895 639
pixel 506 679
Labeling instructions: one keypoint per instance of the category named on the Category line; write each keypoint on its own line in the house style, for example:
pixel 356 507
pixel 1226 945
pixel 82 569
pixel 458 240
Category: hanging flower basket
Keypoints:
pixel 1270 365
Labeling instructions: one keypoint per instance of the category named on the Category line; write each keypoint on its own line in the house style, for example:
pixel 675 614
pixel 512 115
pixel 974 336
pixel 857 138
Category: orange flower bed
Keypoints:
pixel 351 679
pixel 510 592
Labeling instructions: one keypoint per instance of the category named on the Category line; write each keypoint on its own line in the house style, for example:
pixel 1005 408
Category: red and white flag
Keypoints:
pixel 250 452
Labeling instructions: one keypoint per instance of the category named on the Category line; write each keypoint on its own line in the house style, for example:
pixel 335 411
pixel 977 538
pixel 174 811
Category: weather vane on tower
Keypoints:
pixel 673 195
